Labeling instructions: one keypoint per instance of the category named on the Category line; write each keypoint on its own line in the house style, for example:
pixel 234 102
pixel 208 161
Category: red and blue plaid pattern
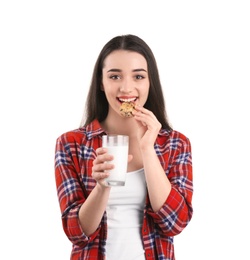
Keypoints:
pixel 74 155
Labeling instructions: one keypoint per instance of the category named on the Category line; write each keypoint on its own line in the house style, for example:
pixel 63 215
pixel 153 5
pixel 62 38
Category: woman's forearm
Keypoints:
pixel 158 184
pixel 91 212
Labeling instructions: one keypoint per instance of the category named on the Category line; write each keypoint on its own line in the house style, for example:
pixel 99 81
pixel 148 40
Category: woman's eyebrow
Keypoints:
pixel 139 70
pixel 118 70
pixel 114 70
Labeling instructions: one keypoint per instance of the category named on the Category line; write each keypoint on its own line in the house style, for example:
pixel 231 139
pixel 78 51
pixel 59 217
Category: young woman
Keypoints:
pixel 139 220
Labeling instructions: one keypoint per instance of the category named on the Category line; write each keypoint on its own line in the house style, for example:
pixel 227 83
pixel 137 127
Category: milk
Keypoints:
pixel 117 175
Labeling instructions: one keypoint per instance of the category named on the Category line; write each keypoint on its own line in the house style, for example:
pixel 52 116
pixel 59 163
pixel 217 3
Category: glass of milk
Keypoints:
pixel 117 146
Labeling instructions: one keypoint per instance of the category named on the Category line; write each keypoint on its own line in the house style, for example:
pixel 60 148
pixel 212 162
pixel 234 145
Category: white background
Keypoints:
pixel 47 53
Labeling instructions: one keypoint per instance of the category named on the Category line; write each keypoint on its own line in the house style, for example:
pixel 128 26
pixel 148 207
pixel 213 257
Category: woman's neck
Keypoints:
pixel 119 125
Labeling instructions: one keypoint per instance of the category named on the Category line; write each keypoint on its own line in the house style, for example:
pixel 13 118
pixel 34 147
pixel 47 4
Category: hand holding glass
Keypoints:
pixel 117 146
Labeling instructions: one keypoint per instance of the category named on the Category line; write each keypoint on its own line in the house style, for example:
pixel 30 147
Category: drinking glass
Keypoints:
pixel 117 146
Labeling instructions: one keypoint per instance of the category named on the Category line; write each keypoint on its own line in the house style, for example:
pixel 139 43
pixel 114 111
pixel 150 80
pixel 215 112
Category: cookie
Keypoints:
pixel 126 109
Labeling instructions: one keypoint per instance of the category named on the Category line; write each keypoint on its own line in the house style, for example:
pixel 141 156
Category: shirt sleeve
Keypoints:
pixel 177 210
pixel 69 189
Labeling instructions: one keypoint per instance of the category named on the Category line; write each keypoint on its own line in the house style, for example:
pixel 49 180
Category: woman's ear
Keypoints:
pixel 102 88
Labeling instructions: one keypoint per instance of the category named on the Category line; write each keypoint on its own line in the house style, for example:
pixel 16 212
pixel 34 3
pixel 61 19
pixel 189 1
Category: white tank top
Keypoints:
pixel 125 216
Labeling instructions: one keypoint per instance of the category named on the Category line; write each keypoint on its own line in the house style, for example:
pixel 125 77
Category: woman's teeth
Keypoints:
pixel 127 99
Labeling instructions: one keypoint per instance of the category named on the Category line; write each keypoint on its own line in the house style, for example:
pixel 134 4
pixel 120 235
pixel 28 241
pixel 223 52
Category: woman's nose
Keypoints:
pixel 126 86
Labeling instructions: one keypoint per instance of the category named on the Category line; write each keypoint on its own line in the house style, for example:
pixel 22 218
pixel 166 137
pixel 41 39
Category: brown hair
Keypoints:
pixel 97 104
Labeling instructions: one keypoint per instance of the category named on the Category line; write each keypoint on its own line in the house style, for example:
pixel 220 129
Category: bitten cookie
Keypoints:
pixel 126 109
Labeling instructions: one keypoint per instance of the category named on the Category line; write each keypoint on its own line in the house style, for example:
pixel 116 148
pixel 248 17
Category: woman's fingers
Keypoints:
pixel 102 164
pixel 147 118
pixel 99 175
pixel 102 167
pixel 130 158
pixel 102 156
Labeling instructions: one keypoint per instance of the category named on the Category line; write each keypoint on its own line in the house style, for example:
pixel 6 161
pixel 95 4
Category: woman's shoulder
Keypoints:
pixel 74 135
pixel 82 133
pixel 172 136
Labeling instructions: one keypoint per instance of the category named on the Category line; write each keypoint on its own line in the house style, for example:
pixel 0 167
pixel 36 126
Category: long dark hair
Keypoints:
pixel 97 104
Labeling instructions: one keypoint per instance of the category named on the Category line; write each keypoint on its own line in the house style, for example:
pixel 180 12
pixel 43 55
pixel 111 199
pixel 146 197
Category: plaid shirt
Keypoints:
pixel 74 155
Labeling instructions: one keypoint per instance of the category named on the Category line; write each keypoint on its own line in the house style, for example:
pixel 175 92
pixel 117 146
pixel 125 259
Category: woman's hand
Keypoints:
pixel 102 164
pixel 148 126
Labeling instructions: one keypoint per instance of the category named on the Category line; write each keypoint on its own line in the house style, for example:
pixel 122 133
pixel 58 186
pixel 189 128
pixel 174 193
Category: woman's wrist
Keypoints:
pixel 101 187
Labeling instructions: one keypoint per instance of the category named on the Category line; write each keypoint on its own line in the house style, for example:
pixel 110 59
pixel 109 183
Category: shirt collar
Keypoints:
pixel 94 129
pixel 163 132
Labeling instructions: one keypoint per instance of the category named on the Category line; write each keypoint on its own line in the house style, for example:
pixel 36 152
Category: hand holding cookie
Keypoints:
pixel 148 126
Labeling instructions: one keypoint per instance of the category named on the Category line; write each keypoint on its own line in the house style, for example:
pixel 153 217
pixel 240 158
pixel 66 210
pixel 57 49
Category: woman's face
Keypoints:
pixel 125 78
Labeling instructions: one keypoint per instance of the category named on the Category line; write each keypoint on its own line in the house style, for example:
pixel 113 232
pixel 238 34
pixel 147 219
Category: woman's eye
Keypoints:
pixel 139 77
pixel 114 77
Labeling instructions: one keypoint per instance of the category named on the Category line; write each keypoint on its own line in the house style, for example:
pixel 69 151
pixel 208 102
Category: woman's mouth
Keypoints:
pixel 123 99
